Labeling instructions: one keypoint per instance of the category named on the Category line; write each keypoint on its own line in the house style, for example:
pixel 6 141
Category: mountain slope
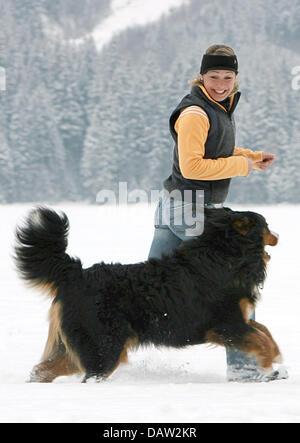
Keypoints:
pixel 128 13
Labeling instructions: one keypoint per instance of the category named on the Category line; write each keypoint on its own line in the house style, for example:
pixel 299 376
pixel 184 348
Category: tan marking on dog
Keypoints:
pixel 247 308
pixel 47 371
pixel 56 363
pixel 270 238
pixel 242 226
pixel 47 288
pixel 277 357
pixel 130 344
pixel 256 344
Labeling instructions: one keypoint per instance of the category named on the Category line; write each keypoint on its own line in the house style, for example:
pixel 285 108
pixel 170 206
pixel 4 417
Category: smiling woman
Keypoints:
pixel 206 74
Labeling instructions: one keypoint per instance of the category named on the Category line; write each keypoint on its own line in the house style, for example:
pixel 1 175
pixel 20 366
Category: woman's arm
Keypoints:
pixel 192 127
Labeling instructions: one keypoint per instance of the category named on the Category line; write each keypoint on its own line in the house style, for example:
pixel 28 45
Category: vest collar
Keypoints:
pixel 200 90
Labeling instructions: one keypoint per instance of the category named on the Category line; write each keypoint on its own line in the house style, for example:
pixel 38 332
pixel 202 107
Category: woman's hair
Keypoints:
pixel 218 50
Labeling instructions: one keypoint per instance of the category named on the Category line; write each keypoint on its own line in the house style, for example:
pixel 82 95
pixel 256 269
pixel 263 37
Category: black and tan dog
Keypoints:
pixel 203 293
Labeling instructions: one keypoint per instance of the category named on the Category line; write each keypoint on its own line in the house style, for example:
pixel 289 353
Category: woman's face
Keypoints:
pixel 219 84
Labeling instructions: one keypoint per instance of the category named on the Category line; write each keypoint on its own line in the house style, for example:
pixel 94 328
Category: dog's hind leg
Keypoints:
pixel 101 364
pixel 57 359
pixel 58 364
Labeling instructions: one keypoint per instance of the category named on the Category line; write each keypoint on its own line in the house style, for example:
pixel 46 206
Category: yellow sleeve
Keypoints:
pixel 255 156
pixel 192 128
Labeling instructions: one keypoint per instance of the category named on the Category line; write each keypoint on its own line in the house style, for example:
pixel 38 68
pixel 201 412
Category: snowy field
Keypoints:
pixel 157 385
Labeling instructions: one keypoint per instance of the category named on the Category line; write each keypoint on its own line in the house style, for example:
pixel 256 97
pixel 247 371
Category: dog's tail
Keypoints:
pixel 40 251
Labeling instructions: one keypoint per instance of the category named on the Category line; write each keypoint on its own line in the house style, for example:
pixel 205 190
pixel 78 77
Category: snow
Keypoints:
pixel 158 385
pixel 127 13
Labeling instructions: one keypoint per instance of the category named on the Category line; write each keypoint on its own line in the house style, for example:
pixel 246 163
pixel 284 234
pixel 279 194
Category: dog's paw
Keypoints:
pixel 93 379
pixel 36 377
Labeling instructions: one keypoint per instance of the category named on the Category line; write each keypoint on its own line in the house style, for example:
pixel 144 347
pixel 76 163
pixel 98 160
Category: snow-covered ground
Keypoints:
pixel 158 385
pixel 127 13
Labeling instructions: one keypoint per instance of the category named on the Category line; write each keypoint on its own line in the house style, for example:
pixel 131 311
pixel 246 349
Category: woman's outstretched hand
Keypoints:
pixel 267 160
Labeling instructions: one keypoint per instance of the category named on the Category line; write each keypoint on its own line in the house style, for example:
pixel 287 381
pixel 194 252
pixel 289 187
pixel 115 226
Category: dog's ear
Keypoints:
pixel 242 225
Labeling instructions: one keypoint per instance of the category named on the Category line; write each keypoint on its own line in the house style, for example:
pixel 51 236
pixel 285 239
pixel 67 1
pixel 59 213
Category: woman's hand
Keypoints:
pixel 267 160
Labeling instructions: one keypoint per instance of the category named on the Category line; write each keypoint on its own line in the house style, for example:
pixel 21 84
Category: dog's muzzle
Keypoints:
pixel 275 238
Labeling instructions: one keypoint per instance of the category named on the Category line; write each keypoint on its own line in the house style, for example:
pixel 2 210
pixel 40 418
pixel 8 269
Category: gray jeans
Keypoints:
pixel 175 221
pixel 171 228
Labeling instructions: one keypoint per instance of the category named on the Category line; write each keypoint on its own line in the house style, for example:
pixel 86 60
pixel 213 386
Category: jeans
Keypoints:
pixel 167 236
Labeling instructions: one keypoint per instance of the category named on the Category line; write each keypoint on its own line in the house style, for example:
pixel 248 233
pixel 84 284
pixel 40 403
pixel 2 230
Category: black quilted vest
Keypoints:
pixel 220 143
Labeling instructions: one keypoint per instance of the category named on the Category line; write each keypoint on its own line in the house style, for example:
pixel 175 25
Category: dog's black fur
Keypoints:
pixel 190 297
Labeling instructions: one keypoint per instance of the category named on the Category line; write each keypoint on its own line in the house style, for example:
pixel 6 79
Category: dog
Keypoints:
pixel 204 292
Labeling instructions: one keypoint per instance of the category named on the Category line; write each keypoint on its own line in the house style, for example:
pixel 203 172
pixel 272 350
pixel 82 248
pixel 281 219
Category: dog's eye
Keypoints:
pixel 242 226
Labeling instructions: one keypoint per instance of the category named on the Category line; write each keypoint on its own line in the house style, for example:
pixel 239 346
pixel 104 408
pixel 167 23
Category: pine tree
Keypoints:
pixel 38 155
pixel 7 184
pixel 99 167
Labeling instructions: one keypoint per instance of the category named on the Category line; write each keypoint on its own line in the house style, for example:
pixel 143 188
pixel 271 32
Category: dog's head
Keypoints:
pixel 247 231
pixel 255 227
pixel 233 243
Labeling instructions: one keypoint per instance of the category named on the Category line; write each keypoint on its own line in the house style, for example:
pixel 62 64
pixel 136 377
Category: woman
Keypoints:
pixel 204 161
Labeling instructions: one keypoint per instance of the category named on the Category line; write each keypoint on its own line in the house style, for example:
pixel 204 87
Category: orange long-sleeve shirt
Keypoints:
pixel 192 128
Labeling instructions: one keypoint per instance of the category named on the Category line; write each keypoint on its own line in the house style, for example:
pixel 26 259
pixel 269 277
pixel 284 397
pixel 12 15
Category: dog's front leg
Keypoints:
pixel 277 357
pixel 252 341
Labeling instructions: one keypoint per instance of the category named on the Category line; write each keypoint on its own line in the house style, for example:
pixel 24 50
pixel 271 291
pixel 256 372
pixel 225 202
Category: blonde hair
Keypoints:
pixel 218 50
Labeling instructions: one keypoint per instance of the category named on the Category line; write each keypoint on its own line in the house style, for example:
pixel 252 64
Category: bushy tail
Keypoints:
pixel 40 248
